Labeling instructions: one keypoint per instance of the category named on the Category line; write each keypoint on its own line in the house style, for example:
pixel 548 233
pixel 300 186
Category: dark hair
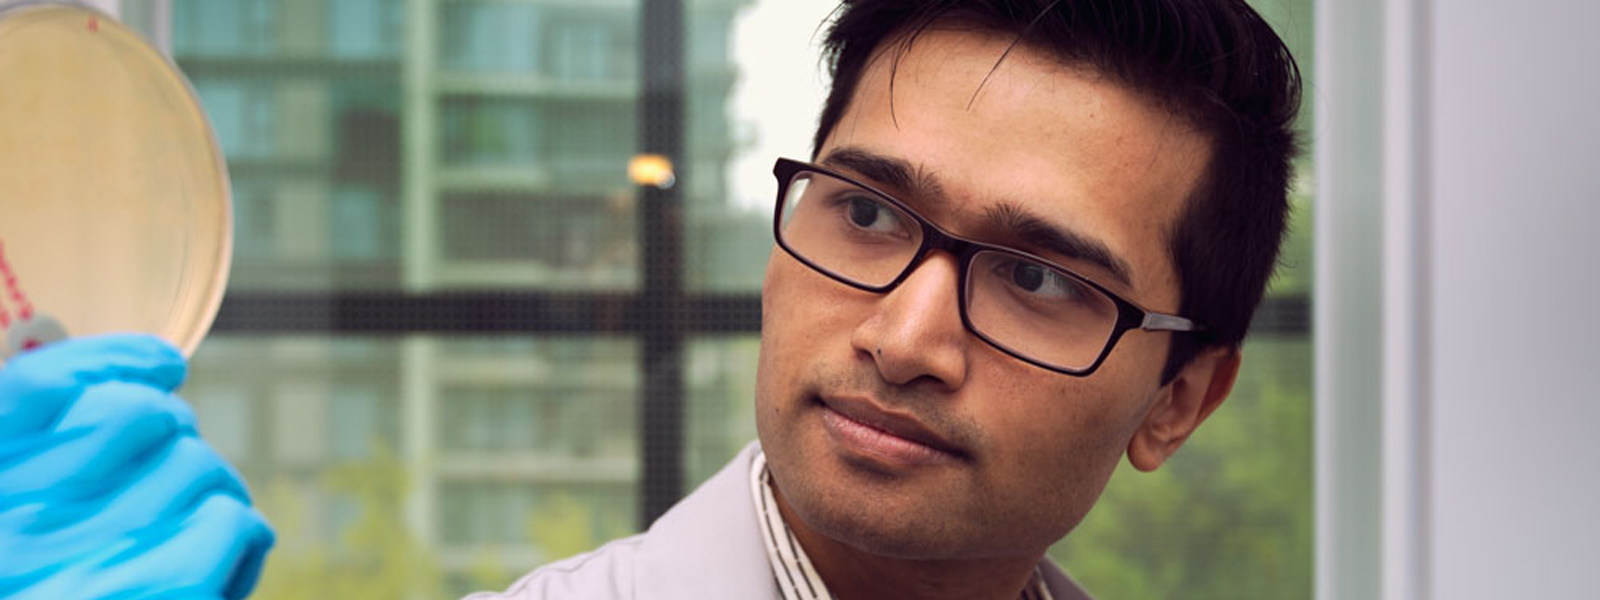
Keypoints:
pixel 1214 63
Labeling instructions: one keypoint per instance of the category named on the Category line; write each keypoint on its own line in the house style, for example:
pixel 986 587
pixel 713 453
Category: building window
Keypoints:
pixel 481 36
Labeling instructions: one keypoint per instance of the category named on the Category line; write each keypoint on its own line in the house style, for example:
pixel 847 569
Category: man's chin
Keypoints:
pixel 926 517
pixel 867 530
pixel 870 511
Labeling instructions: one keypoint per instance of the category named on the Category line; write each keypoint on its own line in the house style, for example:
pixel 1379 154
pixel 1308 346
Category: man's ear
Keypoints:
pixel 1182 404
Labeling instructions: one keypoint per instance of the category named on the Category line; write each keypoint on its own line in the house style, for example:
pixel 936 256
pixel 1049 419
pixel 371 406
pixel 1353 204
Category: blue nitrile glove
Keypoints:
pixel 106 490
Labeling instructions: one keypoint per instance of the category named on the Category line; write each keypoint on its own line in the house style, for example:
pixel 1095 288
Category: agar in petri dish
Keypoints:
pixel 115 211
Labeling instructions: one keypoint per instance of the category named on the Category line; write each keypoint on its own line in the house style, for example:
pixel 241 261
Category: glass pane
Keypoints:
pixel 753 95
pixel 720 412
pixel 423 462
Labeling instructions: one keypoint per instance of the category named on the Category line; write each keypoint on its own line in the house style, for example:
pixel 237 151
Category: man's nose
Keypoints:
pixel 916 331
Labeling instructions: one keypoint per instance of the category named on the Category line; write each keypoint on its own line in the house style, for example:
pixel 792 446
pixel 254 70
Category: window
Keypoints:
pixel 226 27
pixel 588 45
pixel 365 28
pixel 490 36
pixel 492 132
pixel 440 361
pixel 244 116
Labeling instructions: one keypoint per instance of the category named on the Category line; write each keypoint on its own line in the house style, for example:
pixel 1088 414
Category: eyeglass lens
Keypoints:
pixel 1024 306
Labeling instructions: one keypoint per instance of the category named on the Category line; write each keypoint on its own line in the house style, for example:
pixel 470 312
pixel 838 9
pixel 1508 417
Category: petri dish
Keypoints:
pixel 115 210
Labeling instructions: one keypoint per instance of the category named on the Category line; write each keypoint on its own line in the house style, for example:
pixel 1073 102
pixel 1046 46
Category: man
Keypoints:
pixel 974 308
pixel 971 314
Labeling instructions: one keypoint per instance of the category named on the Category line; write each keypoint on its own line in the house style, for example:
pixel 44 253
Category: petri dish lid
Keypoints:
pixel 114 201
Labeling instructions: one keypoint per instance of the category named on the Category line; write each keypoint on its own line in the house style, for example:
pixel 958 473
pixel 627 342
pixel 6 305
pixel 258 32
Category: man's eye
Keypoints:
pixel 1036 279
pixel 1028 277
pixel 871 214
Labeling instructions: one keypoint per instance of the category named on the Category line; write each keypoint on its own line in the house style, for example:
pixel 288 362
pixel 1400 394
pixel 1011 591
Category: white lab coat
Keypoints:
pixel 706 546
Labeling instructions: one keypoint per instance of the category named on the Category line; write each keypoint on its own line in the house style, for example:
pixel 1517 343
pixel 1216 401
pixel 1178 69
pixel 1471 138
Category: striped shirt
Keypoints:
pixel 797 578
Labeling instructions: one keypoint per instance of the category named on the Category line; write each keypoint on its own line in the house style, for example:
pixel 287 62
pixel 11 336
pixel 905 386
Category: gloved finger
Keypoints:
pixel 168 487
pixel 97 403
pixel 63 583
pixel 103 399
pixel 37 386
pixel 219 549
pixel 87 461
pixel 176 482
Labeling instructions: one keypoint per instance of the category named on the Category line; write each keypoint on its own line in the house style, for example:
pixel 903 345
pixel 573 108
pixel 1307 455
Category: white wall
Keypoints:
pixel 1515 333
pixel 1487 470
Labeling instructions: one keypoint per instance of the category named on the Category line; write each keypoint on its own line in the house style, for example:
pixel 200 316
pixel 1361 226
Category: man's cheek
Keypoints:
pixel 810 314
pixel 1068 432
pixel 784 296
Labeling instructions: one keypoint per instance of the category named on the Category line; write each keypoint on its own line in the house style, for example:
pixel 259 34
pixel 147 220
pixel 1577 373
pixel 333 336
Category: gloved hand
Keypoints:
pixel 107 490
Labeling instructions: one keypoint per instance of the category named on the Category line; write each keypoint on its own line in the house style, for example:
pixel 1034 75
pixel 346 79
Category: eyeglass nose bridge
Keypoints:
pixel 933 239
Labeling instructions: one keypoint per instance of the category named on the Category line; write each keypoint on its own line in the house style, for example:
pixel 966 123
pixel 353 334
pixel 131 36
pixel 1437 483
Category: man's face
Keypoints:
pixel 1013 456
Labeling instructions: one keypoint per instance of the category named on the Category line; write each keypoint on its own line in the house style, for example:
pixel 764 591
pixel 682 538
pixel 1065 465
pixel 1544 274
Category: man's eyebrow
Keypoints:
pixel 1010 217
pixel 1034 231
pixel 893 172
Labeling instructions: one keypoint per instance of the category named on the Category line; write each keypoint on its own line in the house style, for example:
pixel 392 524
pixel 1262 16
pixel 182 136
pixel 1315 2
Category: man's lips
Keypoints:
pixel 861 422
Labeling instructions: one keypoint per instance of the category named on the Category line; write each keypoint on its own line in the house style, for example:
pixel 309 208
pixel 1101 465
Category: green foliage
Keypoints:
pixel 1230 515
pixel 375 556
pixel 487 572
pixel 563 526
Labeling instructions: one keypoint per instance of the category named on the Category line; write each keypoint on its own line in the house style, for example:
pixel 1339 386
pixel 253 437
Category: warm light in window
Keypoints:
pixel 651 169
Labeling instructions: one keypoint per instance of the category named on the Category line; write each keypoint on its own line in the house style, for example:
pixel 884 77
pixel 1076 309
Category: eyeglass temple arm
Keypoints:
pixel 1161 322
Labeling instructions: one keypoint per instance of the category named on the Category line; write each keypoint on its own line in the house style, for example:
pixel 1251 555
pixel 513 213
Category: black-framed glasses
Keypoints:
pixel 1024 305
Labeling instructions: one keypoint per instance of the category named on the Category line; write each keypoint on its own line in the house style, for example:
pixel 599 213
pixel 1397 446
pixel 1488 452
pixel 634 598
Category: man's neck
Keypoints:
pixel 851 573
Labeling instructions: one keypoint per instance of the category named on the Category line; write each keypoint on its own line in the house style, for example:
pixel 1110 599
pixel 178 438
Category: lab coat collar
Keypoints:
pixel 707 546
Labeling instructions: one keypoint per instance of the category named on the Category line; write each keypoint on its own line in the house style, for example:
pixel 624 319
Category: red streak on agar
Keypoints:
pixel 24 309
pixel 94 24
